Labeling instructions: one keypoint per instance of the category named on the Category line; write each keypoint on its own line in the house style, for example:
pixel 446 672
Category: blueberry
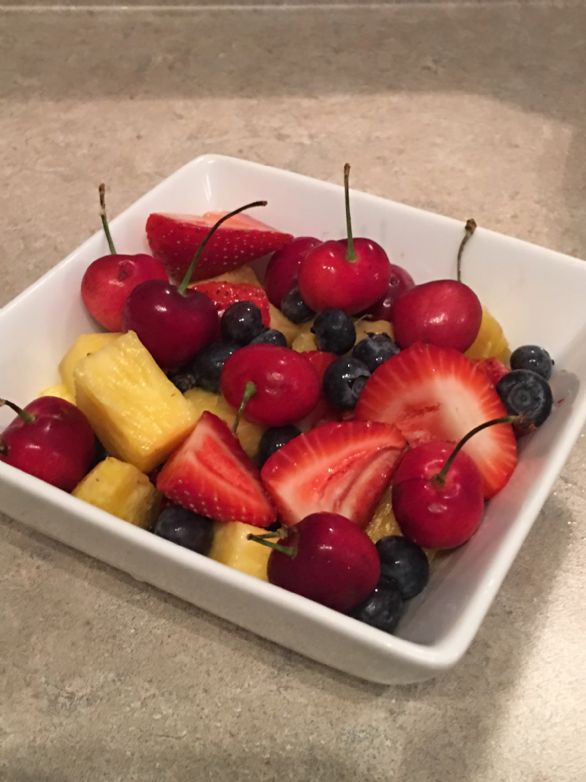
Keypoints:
pixel 294 308
pixel 405 563
pixel 242 322
pixel 273 439
pixel 334 331
pixel 270 337
pixel 344 380
pixel 374 350
pixel 527 394
pixel 183 380
pixel 382 608
pixel 209 362
pixel 534 358
pixel 185 528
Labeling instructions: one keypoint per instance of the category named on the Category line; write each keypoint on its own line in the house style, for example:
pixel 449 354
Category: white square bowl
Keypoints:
pixel 536 294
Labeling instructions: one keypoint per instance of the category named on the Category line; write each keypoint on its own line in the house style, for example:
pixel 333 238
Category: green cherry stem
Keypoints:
pixel 26 417
pixel 469 229
pixel 290 551
pixel 104 219
pixel 198 253
pixel 249 392
pixel 350 251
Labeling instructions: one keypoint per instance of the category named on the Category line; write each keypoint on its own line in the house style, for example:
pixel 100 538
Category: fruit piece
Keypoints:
pixel 533 358
pixel 249 433
pixel 282 270
pixel 320 360
pixel 365 327
pixel 185 528
pixel 305 340
pixel 275 438
pixel 280 323
pixel 527 394
pixel 242 322
pixel 492 368
pixel 490 341
pixel 400 282
pixel 84 346
pixel 184 380
pixel 405 563
pixel 210 474
pixel 135 410
pixel 294 307
pixel 208 364
pixel 434 393
pixel 374 350
pixel 122 490
pixel 336 467
pixel 334 331
pixel 343 382
pixel 224 293
pixel 49 439
pixel 286 386
pixel 382 608
pixel 174 239
pixel 59 390
pixel 232 547
pixel 270 337
pixel 383 521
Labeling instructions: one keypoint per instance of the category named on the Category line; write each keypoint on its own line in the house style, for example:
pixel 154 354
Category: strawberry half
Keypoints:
pixel 337 467
pixel 493 368
pixel 434 393
pixel 210 474
pixel 174 239
pixel 223 294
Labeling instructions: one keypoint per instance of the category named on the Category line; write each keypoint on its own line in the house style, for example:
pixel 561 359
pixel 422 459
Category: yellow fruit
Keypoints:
pixel 366 327
pixel 84 345
pixel 304 340
pixel 249 434
pixel 383 522
pixel 490 341
pixel 135 410
pixel 122 490
pixel 283 324
pixel 231 547
pixel 60 390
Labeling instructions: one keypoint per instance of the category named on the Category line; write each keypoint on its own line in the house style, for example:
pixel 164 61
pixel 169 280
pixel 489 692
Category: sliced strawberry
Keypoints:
pixel 337 467
pixel 434 393
pixel 210 474
pixel 493 368
pixel 223 294
pixel 174 239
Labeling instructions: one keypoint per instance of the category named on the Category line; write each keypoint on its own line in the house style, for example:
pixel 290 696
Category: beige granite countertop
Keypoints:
pixel 458 107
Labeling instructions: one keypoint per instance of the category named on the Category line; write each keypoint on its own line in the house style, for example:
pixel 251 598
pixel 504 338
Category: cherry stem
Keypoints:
pixel 249 392
pixel 104 219
pixel 28 418
pixel 350 251
pixel 198 253
pixel 469 229
pixel 290 551
pixel 440 478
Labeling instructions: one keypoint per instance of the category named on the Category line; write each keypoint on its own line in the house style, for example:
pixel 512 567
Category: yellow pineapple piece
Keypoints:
pixel 122 490
pixel 84 345
pixel 59 390
pixel 134 409
pixel 383 522
pixel 249 433
pixel 231 547
pixel 366 327
pixel 304 340
pixel 490 340
pixel 283 324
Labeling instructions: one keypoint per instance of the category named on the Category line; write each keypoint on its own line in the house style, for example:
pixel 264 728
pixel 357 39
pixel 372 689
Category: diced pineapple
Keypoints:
pixel 383 522
pixel 249 434
pixel 84 345
pixel 366 327
pixel 135 410
pixel 305 339
pixel 284 325
pixel 231 547
pixel 122 490
pixel 490 341
pixel 60 390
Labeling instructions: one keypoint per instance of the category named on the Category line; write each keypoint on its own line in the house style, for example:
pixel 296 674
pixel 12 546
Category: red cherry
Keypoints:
pixel 401 282
pixel 283 268
pixel 348 274
pixel 50 439
pixel 446 313
pixel 286 387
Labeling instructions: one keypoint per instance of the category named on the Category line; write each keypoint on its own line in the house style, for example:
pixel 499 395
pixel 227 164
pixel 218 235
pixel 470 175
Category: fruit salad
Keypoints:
pixel 326 425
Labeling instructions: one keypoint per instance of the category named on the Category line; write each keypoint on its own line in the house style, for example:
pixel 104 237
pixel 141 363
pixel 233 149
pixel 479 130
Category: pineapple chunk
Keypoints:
pixel 384 523
pixel 366 327
pixel 60 390
pixel 83 346
pixel 122 490
pixel 490 341
pixel 231 547
pixel 305 339
pixel 249 434
pixel 283 324
pixel 134 409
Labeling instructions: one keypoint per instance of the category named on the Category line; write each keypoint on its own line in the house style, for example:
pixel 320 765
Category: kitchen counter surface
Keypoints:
pixel 464 108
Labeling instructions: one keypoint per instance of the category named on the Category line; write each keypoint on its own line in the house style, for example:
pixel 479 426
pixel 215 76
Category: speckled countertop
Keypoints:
pixel 458 107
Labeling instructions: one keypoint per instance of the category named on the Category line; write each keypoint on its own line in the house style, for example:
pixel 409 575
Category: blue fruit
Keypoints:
pixel 382 608
pixel 294 308
pixel 526 394
pixel 374 350
pixel 343 382
pixel 242 322
pixel 334 331
pixel 274 438
pixel 534 358
pixel 270 337
pixel 405 563
pixel 185 528
pixel 208 364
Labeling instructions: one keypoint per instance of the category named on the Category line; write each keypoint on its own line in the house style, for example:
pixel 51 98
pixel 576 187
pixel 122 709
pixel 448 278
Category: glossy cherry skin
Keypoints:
pixel 327 280
pixel 108 281
pixel 434 516
pixel 401 282
pixel 446 313
pixel 287 386
pixel 58 446
pixel 172 326
pixel 283 268
pixel 336 563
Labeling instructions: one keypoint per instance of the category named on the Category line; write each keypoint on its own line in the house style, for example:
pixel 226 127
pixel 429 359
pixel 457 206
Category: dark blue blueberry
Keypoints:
pixel 534 358
pixel 527 394
pixel 382 608
pixel 185 528
pixel 334 331
pixel 275 438
pixel 374 350
pixel 270 337
pixel 209 362
pixel 405 563
pixel 294 308
pixel 242 322
pixel 343 382
pixel 183 380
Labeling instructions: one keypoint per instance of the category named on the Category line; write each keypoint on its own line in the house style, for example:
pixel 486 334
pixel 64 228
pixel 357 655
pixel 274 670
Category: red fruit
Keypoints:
pixel 287 387
pixel 335 563
pixel 223 294
pixel 430 513
pixel 210 474
pixel 50 439
pixel 323 411
pixel 175 238
pixel 337 468
pixel 443 312
pixel 433 393
pixel 283 268
pixel 320 360
pixel 493 369
pixel 401 282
